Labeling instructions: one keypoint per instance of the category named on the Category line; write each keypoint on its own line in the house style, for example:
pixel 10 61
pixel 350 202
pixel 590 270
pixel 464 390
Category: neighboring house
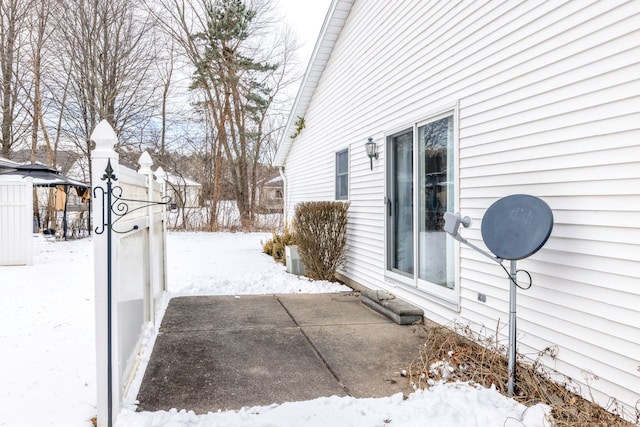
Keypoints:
pixel 270 195
pixel 469 102
pixel 67 161
pixel 183 191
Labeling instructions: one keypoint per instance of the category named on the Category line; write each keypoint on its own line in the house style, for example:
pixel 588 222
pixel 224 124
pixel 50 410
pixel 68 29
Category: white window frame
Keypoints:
pixel 345 174
pixel 447 297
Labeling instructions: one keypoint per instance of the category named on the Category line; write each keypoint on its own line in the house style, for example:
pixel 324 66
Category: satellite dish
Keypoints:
pixel 517 226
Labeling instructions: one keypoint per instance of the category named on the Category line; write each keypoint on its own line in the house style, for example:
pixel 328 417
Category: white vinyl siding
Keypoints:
pixel 548 98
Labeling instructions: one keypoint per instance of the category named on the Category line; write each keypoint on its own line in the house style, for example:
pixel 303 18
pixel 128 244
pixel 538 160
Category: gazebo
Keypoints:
pixel 44 176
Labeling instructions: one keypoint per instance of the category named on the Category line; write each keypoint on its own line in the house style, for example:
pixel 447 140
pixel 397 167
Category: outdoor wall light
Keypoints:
pixel 370 146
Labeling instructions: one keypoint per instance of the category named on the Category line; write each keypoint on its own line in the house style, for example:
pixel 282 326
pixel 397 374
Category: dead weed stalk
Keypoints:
pixel 460 354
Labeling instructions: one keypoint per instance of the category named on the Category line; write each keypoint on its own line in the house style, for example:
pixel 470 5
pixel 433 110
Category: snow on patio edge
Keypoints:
pixel 231 264
pixel 47 335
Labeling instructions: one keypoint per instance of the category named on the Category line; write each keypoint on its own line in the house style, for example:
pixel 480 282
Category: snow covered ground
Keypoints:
pixel 47 346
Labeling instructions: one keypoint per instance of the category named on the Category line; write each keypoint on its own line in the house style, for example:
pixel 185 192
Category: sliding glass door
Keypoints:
pixel 420 189
pixel 400 203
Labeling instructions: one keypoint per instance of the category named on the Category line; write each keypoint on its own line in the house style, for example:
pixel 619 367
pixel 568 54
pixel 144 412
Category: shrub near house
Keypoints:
pixel 321 234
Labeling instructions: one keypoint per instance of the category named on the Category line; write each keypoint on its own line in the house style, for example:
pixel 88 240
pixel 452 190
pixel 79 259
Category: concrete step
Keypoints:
pixel 396 309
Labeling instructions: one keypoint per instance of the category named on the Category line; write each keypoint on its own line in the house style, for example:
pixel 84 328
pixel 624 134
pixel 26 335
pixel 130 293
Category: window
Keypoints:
pixel 420 189
pixel 342 175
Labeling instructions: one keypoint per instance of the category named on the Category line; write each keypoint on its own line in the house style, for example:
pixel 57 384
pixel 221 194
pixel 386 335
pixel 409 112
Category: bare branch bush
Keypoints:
pixel 321 235
pixel 458 353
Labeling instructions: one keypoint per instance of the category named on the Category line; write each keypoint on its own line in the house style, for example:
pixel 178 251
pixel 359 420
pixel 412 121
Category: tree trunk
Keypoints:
pixel 7 57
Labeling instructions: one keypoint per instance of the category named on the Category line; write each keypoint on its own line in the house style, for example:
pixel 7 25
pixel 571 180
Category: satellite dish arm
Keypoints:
pixel 452 223
pixel 461 239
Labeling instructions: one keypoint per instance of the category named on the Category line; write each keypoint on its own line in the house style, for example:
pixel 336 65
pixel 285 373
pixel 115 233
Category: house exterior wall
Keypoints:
pixel 270 198
pixel 187 196
pixel 546 101
pixel 184 194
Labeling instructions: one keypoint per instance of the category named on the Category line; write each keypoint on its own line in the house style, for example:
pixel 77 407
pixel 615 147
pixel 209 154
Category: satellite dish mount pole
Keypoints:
pixel 511 370
pixel 452 225
pixel 513 228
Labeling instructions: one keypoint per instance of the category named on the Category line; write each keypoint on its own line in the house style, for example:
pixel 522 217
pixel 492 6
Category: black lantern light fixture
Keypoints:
pixel 370 146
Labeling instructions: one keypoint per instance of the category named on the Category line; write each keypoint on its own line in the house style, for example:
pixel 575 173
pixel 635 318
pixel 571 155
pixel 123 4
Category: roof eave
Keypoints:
pixel 331 28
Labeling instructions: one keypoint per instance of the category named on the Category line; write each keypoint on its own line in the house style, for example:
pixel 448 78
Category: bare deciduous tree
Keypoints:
pixel 108 54
pixel 67 64
pixel 38 19
pixel 12 16
pixel 238 76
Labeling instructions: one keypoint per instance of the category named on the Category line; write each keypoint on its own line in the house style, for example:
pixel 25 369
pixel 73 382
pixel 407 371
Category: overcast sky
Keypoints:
pixel 305 17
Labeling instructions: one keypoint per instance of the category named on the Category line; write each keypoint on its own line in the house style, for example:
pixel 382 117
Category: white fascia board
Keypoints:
pixel 331 28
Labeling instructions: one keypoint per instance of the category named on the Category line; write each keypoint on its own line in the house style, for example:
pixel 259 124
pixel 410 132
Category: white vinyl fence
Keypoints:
pixel 16 221
pixel 130 264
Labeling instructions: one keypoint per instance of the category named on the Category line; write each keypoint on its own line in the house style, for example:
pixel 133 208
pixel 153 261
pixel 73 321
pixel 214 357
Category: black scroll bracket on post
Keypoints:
pixel 514 227
pixel 115 204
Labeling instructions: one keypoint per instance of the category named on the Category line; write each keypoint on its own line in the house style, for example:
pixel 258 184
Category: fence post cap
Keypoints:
pixel 145 163
pixel 160 175
pixel 104 136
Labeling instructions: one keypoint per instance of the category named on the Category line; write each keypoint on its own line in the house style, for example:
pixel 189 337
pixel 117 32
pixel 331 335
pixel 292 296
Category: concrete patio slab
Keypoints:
pixel 223 352
pixel 227 369
pixel 206 313
pixel 368 359
pixel 329 309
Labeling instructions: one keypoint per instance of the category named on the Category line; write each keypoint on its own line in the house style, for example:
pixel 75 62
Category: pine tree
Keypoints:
pixel 239 96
